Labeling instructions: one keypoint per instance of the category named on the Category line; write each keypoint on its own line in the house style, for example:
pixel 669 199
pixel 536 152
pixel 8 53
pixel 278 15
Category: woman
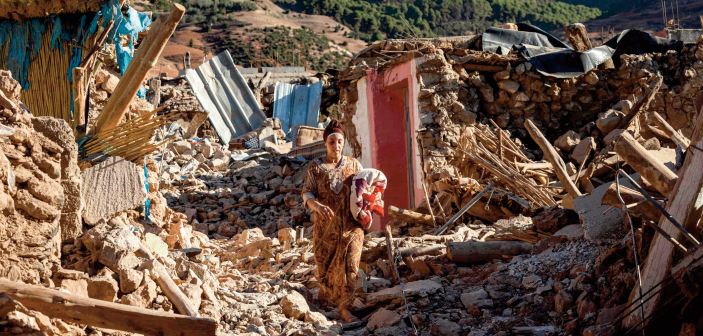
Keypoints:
pixel 337 237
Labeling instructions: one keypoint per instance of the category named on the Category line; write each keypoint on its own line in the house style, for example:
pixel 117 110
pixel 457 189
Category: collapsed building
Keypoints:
pixel 535 187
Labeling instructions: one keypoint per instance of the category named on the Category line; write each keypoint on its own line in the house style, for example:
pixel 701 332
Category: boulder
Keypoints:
pixel 294 305
pixel 102 288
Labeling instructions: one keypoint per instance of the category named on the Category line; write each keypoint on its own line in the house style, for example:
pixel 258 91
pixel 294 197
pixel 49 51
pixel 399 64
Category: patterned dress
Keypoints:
pixel 337 243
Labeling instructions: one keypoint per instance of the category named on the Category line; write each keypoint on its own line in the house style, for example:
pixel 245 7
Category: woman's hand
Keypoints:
pixel 321 210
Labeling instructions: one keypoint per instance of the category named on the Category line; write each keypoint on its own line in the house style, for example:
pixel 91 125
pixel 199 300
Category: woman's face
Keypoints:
pixel 334 144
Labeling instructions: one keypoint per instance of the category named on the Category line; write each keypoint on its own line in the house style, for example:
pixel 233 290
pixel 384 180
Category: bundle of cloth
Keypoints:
pixel 366 197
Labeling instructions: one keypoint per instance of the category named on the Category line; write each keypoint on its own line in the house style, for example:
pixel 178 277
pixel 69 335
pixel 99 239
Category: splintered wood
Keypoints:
pixel 495 153
pixel 130 140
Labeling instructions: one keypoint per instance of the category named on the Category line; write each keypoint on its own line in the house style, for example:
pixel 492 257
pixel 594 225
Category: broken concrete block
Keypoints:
pixel 110 82
pixel 156 245
pixel 599 222
pixel 383 318
pixel 112 186
pixel 294 305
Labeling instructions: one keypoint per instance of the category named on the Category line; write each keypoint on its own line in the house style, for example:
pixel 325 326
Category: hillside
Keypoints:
pixel 321 34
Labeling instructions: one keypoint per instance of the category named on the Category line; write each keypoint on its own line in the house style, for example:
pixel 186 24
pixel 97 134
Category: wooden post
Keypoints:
pixel 103 314
pixel 155 85
pixel 391 253
pixel 551 155
pixel 478 251
pixel 578 36
pixel 675 136
pixel 168 286
pixel 79 95
pixel 653 170
pixel 144 59
pixel 685 205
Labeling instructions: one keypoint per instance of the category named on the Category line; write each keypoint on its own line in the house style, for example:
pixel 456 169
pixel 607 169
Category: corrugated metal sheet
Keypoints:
pixel 224 94
pixel 297 105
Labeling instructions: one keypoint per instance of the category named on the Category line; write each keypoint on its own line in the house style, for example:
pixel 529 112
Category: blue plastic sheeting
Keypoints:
pixel 24 38
pixel 295 105
pixel 225 96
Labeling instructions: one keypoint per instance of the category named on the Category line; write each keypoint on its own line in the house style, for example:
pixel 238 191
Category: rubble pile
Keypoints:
pixel 460 85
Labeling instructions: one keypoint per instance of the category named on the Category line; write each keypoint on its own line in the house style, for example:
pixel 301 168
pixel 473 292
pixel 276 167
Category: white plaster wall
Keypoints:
pixel 361 123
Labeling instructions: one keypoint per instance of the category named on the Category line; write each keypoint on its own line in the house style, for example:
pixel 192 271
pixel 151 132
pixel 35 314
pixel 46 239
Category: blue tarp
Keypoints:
pixel 297 105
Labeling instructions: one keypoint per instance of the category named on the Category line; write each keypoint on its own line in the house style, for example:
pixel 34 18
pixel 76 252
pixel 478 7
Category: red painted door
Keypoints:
pixel 391 134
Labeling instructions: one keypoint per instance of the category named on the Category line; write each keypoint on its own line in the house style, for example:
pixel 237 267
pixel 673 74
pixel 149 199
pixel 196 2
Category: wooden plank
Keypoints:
pixel 144 59
pixel 391 253
pixel 551 155
pixel 652 169
pixel 478 251
pixel 577 35
pixel 685 205
pixel 104 314
pixel 675 136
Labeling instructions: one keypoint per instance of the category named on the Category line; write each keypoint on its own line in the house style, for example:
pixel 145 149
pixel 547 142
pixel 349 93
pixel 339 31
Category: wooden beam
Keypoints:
pixel 409 216
pixel 144 59
pixel 675 136
pixel 391 254
pixel 652 169
pixel 631 196
pixel 551 155
pixel 167 285
pixel 685 205
pixel 103 314
pixel 478 251
pixel 642 104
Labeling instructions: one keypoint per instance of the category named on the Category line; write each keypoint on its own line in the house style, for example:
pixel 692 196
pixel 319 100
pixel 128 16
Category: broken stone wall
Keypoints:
pixel 31 193
pixel 460 85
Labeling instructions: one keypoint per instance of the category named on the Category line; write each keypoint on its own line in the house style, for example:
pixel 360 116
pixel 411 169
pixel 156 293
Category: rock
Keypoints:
pixel 573 231
pixel 194 294
pixel 110 82
pixel 142 297
pixel 115 185
pixel 75 286
pixel 609 120
pixel 103 288
pixel 585 147
pixel 567 141
pixel 415 288
pixel 35 208
pixel 562 302
pixel 317 319
pixel 623 106
pixel 383 318
pixel 50 167
pixel 478 299
pixel 130 280
pixel 584 307
pixel 442 327
pixel 47 191
pixel 599 222
pixel 509 86
pixel 181 146
pixel 287 237
pixel 156 245
pixel 591 78
pixel 294 305
pixel 531 281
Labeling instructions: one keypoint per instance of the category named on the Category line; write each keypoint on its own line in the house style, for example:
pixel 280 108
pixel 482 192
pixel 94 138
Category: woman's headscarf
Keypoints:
pixel 366 197
pixel 333 127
